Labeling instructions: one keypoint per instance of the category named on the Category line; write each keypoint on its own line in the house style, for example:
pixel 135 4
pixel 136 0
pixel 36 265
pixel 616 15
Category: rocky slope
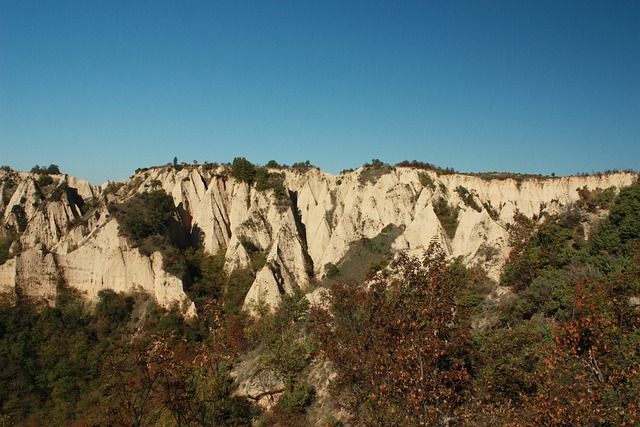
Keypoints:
pixel 59 231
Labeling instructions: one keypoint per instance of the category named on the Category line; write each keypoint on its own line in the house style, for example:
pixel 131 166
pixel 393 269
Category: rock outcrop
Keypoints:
pixel 62 231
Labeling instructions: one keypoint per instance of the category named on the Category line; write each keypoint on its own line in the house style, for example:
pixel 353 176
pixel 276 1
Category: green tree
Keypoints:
pixel 144 215
pixel 243 170
pixel 618 235
pixel 399 346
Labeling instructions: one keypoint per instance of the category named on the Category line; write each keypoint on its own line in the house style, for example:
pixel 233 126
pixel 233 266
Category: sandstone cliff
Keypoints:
pixel 62 232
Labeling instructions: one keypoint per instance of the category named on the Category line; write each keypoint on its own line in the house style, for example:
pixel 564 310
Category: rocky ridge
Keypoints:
pixel 63 234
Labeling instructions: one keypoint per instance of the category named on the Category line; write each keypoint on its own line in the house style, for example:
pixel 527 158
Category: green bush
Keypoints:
pixel 21 217
pixel 427 181
pixel 549 247
pixel 302 167
pixel 237 285
pixel 618 234
pixel 297 399
pixel 493 213
pixel 272 164
pixel 114 307
pixel 332 270
pixel 144 215
pixel 243 170
pixel 425 166
pixel 51 169
pixel 44 180
pixel 467 198
pixel 207 276
pixel 144 220
pixel 372 172
pixel 596 199
pixel 266 180
pixel 447 215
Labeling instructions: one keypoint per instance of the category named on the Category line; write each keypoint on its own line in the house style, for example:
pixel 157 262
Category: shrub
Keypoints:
pixel 619 233
pixel 243 170
pixel 57 193
pixel 113 187
pixel 144 215
pixel 238 284
pixel 266 180
pixel 272 164
pixel 493 213
pixel 372 172
pixel 399 344
pixel 549 247
pixel 596 199
pixel 44 180
pixel 426 166
pixel 206 166
pixel 302 166
pixel 51 169
pixel 447 215
pixel 467 198
pixel 427 181
pixel 114 307
pixel 21 217
pixel 144 219
pixel 9 187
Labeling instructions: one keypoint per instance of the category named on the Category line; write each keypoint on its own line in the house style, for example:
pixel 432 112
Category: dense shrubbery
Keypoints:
pixel 447 215
pixel 400 348
pixel 426 166
pixel 419 344
pixel 618 235
pixel 266 180
pixel 371 172
pixel 51 169
pixel 145 220
pixel 302 167
pixel 427 181
pixel 145 215
pixel 9 187
pixel 20 216
pixel 596 199
pixel 243 170
pixel 571 331
pixel 128 362
pixel 286 349
pixel 468 199
pixel 562 351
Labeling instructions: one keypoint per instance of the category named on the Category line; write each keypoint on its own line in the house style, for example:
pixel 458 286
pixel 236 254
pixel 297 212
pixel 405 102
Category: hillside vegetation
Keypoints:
pixel 420 341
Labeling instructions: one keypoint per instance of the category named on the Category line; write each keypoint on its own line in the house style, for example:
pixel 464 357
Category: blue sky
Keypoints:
pixel 101 87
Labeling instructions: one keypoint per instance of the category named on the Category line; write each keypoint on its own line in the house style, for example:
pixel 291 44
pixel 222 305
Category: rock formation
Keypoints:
pixel 61 233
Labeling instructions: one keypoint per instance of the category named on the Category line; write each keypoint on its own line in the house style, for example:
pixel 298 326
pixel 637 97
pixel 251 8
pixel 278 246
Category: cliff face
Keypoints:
pixel 66 235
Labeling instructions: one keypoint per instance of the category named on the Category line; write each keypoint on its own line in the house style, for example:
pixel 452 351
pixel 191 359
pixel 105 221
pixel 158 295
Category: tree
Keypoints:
pixel 272 164
pixel 590 373
pixel 144 215
pixel 399 345
pixel 51 169
pixel 618 235
pixel 243 170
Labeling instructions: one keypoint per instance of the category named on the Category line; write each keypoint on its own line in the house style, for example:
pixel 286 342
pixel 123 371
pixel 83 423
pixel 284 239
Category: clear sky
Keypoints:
pixel 102 87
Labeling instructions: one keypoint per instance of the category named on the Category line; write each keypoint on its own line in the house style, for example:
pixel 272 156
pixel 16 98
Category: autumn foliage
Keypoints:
pixel 399 345
pixel 423 342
